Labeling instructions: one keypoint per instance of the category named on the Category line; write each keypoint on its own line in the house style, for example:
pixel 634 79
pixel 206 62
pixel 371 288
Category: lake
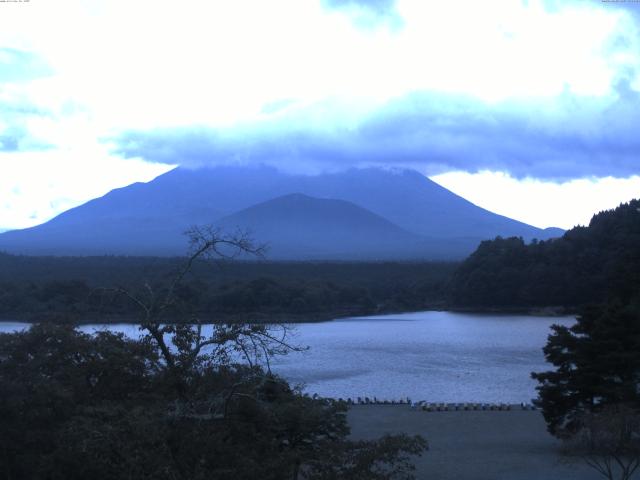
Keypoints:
pixel 433 356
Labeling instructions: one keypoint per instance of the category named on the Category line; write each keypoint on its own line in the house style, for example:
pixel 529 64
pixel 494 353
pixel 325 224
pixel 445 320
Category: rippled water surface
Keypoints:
pixel 435 356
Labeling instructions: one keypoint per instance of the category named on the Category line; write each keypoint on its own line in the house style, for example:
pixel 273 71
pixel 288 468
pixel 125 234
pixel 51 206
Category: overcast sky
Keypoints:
pixel 530 109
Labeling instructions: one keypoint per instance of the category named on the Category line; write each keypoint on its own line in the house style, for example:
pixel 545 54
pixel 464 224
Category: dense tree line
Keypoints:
pixel 41 288
pixel 591 397
pixel 586 265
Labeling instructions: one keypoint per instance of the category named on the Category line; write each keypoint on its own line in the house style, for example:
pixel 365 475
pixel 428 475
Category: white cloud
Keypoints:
pixel 61 179
pixel 147 63
pixel 118 65
pixel 539 203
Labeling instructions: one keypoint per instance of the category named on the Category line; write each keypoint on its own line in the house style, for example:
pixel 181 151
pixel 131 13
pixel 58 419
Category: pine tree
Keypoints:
pixel 597 364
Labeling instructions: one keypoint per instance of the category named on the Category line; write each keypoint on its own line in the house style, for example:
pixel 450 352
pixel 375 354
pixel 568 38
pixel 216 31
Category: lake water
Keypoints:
pixel 433 356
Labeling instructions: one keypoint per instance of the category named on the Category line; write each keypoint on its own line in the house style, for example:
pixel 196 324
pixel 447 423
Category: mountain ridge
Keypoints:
pixel 149 218
pixel 300 226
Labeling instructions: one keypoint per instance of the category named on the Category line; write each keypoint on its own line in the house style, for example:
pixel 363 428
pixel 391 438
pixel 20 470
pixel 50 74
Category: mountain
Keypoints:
pixel 149 218
pixel 297 226
pixel 551 232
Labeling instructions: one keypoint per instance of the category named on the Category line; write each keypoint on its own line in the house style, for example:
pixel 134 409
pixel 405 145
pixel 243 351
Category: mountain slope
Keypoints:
pixel 297 226
pixel 150 218
pixel 418 204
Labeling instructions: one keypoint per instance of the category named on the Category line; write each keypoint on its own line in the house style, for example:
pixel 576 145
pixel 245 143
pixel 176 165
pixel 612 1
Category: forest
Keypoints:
pixel 586 265
pixel 590 397
pixel 80 288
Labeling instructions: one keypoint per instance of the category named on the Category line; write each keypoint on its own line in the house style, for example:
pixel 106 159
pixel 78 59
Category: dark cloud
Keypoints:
pixel 15 139
pixel 631 7
pixel 14 134
pixel 379 7
pixel 368 13
pixel 20 65
pixel 569 137
pixel 8 143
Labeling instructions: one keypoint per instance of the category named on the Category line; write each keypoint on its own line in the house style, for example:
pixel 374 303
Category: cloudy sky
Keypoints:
pixel 530 109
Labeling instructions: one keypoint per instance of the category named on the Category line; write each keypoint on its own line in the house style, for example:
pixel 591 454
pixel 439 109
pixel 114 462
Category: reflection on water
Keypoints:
pixel 434 356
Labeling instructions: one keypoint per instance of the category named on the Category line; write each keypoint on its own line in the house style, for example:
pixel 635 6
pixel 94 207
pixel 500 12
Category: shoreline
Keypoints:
pixel 548 311
pixel 289 318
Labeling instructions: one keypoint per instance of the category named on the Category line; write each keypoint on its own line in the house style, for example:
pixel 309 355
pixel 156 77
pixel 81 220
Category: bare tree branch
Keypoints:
pixel 187 344
pixel 608 441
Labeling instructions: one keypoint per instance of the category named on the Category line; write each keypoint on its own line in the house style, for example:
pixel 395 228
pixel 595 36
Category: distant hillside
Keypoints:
pixel 585 265
pixel 297 226
pixel 148 219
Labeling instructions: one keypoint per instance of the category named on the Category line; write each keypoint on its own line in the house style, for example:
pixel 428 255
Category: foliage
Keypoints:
pixel 592 398
pixel 49 374
pixel 50 288
pixel 103 406
pixel 181 402
pixel 597 363
pixel 587 265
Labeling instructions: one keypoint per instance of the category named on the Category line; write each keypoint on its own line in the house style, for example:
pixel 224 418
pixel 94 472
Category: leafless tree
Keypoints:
pixel 608 441
pixel 177 330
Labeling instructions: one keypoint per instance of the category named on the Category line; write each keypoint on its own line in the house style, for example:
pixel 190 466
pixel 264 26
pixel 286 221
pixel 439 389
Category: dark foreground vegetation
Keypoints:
pixel 43 288
pixel 78 406
pixel 177 403
pixel 591 399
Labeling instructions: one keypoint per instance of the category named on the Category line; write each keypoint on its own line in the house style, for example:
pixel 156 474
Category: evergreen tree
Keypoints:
pixel 586 265
pixel 597 364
